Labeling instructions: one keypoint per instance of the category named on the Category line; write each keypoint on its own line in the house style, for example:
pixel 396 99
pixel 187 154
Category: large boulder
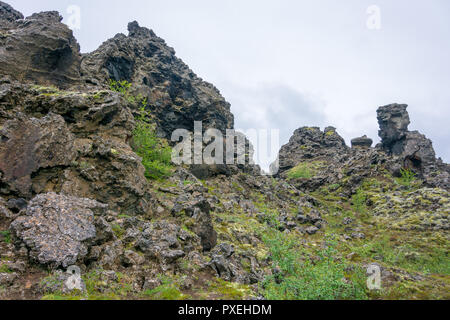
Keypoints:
pixel 58 230
pixel 38 49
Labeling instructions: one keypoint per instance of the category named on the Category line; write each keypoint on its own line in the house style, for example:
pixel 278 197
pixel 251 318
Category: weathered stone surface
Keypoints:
pixel 29 144
pixel 57 229
pixel 363 142
pixel 411 149
pixel 39 48
pixel 164 242
pixel 199 210
pixel 394 121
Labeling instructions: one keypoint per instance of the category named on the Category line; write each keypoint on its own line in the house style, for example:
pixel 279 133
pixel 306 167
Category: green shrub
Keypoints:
pixel 301 279
pixel 156 154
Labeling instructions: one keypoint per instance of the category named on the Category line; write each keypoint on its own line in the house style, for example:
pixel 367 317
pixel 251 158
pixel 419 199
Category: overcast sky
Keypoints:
pixel 287 64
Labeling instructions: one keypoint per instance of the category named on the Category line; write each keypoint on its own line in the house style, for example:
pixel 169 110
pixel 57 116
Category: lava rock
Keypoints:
pixel 57 229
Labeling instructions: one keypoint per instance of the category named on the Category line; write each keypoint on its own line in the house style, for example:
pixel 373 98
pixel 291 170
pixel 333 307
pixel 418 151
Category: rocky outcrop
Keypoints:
pixel 38 49
pixel 411 148
pixel 8 16
pixel 73 191
pixel 57 229
pixel 175 94
pixel 313 158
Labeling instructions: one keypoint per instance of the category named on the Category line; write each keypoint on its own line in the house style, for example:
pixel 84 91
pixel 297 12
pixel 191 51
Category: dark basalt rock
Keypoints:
pixel 176 95
pixel 38 49
pixel 309 143
pixel 394 121
pixel 410 149
pixel 363 142
pixel 8 16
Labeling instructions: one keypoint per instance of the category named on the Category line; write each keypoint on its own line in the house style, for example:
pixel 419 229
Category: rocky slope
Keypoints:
pixel 75 188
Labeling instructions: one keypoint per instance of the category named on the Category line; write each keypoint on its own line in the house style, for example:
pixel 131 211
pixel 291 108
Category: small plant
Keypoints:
pixel 299 278
pixel 156 154
pixel 302 171
pixel 167 291
pixel 124 87
pixel 407 177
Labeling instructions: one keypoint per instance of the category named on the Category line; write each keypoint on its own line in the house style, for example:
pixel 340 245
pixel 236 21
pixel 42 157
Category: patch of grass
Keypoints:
pixel 96 288
pixel 359 201
pixel 406 256
pixel 5 269
pixel 229 290
pixel 167 291
pixel 326 278
pixel 6 235
pixel 305 170
pixel 118 230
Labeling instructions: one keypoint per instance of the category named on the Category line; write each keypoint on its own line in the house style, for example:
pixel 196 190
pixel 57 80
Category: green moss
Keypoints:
pixel 305 170
pixel 96 288
pixel 359 201
pixel 156 154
